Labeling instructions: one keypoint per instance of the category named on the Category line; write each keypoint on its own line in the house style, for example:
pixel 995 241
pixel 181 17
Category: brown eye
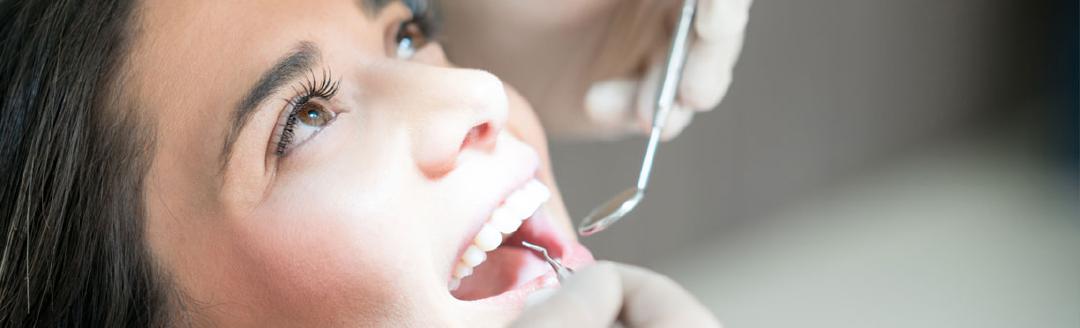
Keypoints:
pixel 410 38
pixel 315 115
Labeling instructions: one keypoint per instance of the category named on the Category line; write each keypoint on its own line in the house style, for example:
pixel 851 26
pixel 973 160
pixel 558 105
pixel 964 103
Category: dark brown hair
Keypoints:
pixel 73 155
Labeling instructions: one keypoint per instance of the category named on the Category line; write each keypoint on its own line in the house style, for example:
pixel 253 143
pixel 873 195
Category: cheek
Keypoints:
pixel 325 262
pixel 524 124
pixel 323 244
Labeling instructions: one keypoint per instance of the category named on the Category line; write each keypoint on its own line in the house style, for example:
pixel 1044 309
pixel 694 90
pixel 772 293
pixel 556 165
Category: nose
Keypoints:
pixel 469 112
pixel 452 112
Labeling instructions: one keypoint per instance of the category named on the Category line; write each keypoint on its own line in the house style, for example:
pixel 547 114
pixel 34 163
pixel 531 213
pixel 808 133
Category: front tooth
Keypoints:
pixel 473 256
pixel 518 197
pixel 454 284
pixel 543 193
pixel 523 209
pixel 488 239
pixel 538 192
pixel 462 270
pixel 505 221
pixel 534 185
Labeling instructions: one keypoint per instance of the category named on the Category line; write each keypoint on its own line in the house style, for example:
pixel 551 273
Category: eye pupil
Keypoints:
pixel 313 115
pixel 410 38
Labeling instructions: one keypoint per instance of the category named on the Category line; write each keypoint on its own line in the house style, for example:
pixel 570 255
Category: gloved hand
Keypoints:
pixel 607 294
pixel 627 101
pixel 591 68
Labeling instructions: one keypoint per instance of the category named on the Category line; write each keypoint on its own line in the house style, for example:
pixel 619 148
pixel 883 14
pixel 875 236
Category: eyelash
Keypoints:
pixel 324 89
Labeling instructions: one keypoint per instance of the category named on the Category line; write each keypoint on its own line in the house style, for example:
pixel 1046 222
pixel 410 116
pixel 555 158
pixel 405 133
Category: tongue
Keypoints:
pixel 506 267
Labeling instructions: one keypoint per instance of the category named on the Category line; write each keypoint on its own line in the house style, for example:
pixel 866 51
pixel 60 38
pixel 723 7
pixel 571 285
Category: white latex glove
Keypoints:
pixel 610 294
pixel 627 103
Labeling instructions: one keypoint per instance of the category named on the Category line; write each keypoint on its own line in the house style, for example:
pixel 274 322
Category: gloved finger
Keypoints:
pixel 719 28
pixel 609 105
pixel 720 19
pixel 707 75
pixel 679 117
pixel 677 121
pixel 647 90
pixel 653 300
pixel 591 298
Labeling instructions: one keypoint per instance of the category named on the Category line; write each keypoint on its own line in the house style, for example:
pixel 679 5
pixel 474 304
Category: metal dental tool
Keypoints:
pixel 561 271
pixel 610 212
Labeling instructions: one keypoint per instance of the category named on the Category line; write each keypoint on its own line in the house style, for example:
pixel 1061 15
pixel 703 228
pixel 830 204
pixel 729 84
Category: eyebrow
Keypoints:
pixel 375 6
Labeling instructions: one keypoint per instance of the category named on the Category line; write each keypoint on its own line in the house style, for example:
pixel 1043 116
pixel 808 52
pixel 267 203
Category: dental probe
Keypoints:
pixel 561 271
pixel 619 206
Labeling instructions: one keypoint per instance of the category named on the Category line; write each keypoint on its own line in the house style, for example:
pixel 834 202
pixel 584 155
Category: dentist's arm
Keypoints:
pixel 607 293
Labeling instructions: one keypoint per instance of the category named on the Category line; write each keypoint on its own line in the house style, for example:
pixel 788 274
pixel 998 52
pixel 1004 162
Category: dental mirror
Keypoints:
pixel 619 206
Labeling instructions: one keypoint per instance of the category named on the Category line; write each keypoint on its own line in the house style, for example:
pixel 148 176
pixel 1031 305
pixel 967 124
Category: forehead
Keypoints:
pixel 229 41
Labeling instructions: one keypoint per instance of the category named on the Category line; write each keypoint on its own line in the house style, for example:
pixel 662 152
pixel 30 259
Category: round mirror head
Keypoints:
pixel 611 211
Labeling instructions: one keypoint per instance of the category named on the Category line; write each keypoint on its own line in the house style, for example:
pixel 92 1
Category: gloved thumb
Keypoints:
pixel 604 293
pixel 590 298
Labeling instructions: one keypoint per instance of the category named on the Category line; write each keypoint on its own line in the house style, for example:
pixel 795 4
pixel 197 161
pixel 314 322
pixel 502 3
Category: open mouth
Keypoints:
pixel 496 262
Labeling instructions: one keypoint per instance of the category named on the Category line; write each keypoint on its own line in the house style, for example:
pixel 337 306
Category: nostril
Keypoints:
pixel 479 135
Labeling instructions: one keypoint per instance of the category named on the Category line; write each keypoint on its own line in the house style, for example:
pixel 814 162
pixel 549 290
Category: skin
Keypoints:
pixel 357 225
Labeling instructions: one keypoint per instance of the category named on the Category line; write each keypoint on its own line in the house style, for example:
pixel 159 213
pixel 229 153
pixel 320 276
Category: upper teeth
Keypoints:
pixel 505 220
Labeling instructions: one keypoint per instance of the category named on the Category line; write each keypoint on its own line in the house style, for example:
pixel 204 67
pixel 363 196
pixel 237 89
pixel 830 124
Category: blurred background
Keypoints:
pixel 875 164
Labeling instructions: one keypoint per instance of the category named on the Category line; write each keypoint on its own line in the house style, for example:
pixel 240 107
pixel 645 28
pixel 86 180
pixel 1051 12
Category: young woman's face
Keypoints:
pixel 318 163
